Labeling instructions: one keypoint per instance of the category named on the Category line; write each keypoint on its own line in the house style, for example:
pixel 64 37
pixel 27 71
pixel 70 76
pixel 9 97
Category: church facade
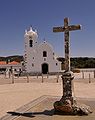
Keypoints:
pixel 39 57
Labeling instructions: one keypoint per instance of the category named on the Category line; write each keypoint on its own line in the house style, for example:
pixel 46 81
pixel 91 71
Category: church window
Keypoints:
pixel 53 53
pixel 33 57
pixel 44 53
pixel 32 65
pixel 30 37
pixel 44 59
pixel 25 45
pixel 31 43
pixel 56 64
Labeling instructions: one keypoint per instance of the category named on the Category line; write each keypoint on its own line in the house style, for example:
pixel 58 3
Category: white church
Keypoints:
pixel 39 57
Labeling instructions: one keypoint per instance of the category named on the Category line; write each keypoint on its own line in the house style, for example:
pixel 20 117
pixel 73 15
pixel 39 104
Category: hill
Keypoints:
pixel 77 62
pixel 16 58
pixel 80 62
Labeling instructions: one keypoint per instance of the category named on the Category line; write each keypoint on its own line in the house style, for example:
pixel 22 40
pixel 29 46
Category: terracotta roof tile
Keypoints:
pixel 2 63
pixel 13 63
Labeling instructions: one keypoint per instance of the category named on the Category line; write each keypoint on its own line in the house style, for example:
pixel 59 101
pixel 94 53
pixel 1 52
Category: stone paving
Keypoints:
pixel 42 109
pixel 13 96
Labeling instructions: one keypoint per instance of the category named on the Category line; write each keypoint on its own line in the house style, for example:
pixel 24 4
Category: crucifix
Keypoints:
pixel 66 30
pixel 66 102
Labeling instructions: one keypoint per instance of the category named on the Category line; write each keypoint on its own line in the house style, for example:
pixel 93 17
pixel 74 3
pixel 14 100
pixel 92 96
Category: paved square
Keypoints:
pixel 42 109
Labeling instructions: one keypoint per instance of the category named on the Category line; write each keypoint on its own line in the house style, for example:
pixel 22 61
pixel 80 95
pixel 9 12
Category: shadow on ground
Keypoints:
pixel 33 114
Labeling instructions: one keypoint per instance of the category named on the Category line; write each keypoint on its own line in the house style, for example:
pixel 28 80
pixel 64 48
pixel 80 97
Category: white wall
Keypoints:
pixel 34 55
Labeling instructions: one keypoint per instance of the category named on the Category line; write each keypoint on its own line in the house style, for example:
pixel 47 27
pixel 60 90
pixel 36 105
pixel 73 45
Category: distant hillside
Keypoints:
pixel 80 62
pixel 16 58
pixel 77 62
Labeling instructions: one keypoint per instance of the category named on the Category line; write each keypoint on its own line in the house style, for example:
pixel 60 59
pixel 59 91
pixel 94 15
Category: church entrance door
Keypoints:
pixel 45 68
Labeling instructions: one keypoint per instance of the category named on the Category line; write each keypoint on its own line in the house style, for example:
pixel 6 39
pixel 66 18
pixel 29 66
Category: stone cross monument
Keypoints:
pixel 66 104
pixel 66 30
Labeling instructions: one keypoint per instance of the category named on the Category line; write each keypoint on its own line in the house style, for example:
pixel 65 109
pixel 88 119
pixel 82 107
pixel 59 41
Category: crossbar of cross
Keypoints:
pixel 66 28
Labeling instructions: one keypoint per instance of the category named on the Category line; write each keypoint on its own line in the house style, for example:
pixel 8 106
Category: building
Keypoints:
pixel 16 66
pixel 39 58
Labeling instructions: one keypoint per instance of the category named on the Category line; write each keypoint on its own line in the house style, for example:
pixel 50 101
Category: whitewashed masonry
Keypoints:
pixel 39 58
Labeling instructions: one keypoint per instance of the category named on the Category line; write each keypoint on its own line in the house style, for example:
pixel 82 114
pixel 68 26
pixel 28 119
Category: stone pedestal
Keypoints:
pixel 67 79
pixel 68 104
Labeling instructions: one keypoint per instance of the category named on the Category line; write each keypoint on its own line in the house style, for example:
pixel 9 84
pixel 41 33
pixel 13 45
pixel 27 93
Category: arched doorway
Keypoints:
pixel 44 68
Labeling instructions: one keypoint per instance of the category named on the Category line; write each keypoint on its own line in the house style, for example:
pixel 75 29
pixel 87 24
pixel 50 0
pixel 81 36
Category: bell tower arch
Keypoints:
pixel 30 37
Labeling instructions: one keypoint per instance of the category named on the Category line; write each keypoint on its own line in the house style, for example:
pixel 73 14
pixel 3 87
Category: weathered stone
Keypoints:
pixel 67 105
pixel 67 78
pixel 81 109
pixel 66 28
pixel 67 108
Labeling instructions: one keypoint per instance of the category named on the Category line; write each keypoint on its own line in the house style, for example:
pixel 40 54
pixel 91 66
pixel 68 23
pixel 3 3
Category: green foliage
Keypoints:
pixel 77 62
pixel 80 62
pixel 16 58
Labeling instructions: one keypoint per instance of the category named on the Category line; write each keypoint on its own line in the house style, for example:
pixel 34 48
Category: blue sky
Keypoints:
pixel 43 15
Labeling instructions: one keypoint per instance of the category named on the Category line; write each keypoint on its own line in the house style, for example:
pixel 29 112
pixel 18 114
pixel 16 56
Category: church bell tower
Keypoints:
pixel 30 37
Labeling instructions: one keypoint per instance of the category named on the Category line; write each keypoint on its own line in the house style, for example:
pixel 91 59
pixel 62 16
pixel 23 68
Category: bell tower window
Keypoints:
pixel 31 43
pixel 44 53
